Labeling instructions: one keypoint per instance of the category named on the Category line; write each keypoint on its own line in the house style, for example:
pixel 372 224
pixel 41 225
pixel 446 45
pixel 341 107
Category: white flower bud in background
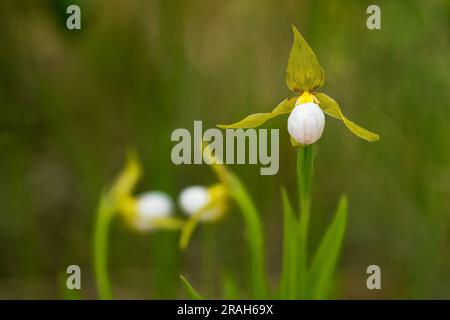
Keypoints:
pixel 151 206
pixel 306 123
pixel 193 199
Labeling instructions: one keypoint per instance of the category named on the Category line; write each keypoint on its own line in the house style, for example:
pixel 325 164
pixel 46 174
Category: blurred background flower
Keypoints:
pixel 71 102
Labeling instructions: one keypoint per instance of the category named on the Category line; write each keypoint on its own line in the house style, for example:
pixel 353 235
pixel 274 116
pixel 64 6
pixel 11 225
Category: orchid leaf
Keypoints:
pixel 331 108
pixel 304 72
pixel 288 283
pixel 230 288
pixel 257 119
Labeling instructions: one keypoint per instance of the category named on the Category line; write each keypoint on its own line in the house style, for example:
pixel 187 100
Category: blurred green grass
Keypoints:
pixel 71 102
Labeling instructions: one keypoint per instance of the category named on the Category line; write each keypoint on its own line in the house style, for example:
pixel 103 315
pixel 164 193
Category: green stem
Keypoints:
pixel 104 213
pixel 305 168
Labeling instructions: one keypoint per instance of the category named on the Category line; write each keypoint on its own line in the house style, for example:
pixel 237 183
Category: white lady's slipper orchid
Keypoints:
pixel 195 198
pixel 306 123
pixel 146 212
pixel 151 207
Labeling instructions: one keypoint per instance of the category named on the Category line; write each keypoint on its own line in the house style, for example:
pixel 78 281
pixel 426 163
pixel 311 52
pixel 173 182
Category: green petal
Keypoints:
pixel 331 108
pixel 326 257
pixel 288 282
pixel 257 119
pixel 304 72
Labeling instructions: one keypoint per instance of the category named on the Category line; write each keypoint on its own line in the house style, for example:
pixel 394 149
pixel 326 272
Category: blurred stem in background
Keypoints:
pixel 305 168
pixel 104 214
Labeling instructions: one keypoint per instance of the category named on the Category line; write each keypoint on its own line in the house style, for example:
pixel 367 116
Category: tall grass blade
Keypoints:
pixel 254 229
pixel 66 293
pixel 230 288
